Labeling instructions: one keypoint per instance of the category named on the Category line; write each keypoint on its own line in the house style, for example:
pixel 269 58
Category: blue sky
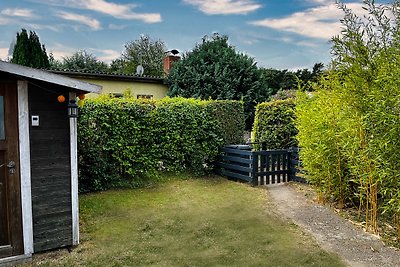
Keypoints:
pixel 282 34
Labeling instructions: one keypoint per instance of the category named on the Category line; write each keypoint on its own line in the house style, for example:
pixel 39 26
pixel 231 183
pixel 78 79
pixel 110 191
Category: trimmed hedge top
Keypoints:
pixel 274 124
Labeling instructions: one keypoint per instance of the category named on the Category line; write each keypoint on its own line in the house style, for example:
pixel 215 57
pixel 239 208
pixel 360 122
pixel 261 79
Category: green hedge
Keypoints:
pixel 230 119
pixel 124 142
pixel 274 124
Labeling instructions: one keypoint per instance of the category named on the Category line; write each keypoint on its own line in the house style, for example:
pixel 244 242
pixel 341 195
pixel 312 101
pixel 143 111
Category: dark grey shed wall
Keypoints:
pixel 51 170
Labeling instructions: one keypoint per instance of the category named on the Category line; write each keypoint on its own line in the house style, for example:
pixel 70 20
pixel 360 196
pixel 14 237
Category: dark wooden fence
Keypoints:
pixel 296 166
pixel 258 167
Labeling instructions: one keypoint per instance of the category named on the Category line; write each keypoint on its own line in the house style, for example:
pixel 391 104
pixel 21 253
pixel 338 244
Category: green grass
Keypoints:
pixel 187 222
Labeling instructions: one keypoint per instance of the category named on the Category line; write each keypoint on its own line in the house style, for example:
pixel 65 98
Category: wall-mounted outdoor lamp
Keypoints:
pixel 72 109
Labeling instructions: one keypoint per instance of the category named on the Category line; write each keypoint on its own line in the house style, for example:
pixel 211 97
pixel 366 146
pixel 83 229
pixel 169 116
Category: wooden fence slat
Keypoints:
pixel 269 152
pixel 281 172
pixel 263 167
pixel 234 167
pixel 254 173
pixel 278 168
pixel 237 151
pixel 235 175
pixel 289 165
pixel 273 167
pixel 235 159
pixel 268 178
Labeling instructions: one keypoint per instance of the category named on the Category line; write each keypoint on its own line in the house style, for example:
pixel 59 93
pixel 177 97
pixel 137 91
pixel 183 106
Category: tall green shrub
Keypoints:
pixel 274 124
pixel 124 142
pixel 230 121
pixel 318 120
pixel 112 144
pixel 349 127
pixel 28 51
pixel 214 69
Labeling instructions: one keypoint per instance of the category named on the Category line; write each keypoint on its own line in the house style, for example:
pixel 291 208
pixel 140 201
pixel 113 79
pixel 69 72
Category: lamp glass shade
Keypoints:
pixel 72 109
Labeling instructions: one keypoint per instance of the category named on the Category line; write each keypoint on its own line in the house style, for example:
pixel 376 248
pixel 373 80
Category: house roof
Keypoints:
pixel 109 76
pixel 46 76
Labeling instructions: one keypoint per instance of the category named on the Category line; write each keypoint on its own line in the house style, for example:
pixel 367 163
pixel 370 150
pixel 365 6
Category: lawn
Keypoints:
pixel 187 222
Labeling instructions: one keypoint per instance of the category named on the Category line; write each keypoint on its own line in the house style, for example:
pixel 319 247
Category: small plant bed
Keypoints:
pixel 187 222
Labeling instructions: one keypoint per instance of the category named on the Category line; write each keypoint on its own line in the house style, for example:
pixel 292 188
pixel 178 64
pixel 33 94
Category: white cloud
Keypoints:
pixel 321 2
pixel 42 27
pixel 6 21
pixel 119 11
pixel 307 44
pixel 116 27
pixel 86 20
pixel 106 55
pixel 3 53
pixel 321 22
pixel 224 7
pixel 28 25
pixel 59 50
pixel 11 16
pixel 18 12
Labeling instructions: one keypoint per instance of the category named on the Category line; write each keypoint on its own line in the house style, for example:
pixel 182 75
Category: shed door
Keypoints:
pixel 10 191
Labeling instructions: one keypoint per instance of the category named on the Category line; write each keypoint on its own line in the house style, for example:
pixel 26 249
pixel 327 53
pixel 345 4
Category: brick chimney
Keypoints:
pixel 169 62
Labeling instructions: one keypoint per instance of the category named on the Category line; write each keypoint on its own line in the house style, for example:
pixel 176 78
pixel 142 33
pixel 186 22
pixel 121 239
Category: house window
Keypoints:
pixel 144 96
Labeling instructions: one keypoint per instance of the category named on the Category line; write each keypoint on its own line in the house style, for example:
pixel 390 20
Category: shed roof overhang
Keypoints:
pixel 48 77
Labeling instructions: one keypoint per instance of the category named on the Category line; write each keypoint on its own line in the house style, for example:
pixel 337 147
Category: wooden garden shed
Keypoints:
pixel 38 161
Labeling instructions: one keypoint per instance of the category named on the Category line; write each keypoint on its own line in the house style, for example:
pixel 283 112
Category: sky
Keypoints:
pixel 281 34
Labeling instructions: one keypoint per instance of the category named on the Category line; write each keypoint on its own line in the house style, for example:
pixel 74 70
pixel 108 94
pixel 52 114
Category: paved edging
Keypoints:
pixel 332 232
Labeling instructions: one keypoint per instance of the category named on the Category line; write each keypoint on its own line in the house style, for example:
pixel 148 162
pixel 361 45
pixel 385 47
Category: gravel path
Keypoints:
pixel 332 232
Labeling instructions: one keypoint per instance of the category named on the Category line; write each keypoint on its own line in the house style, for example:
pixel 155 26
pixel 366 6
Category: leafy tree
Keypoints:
pixel 317 71
pixel 144 51
pixel 80 61
pixel 279 79
pixel 214 69
pixel 289 80
pixel 54 63
pixel 28 51
pixel 120 65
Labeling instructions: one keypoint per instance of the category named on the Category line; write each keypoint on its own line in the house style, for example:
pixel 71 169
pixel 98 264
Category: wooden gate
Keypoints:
pixel 257 167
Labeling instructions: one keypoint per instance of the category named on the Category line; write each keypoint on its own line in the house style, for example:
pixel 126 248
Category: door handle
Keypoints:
pixel 11 167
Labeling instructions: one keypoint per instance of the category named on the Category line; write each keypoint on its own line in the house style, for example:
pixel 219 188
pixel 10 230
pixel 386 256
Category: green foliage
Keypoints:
pixel 279 79
pixel 318 123
pixel 290 80
pixel 230 119
pixel 284 94
pixel 274 124
pixel 80 61
pixel 349 128
pixel 144 51
pixel 125 142
pixel 28 51
pixel 215 70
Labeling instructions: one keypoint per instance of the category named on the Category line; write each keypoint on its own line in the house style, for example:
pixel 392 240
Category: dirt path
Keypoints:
pixel 332 232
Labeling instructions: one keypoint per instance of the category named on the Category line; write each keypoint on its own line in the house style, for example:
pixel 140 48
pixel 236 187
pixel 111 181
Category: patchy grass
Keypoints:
pixel 189 222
